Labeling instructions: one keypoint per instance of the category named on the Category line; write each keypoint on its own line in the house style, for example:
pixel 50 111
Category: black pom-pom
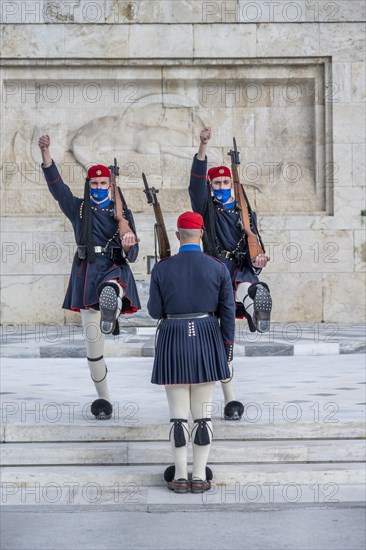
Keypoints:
pixel 101 409
pixel 170 473
pixel 233 410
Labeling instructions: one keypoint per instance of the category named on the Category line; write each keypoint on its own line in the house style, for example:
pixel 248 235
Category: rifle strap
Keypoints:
pixel 123 225
pixel 156 242
pixel 252 217
pixel 211 244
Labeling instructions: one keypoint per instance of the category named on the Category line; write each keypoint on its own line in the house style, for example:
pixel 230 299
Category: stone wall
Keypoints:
pixel 137 80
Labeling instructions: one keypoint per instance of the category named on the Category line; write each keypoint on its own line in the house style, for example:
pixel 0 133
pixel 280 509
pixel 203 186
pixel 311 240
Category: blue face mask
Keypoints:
pixel 99 195
pixel 222 195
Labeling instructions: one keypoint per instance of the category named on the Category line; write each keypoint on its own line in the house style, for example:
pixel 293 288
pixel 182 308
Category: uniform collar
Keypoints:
pixel 102 204
pixel 186 247
pixel 226 205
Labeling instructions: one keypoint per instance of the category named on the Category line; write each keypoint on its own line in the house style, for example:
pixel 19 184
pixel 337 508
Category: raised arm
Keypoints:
pixel 197 185
pixel 58 189
pixel 205 136
pixel 44 143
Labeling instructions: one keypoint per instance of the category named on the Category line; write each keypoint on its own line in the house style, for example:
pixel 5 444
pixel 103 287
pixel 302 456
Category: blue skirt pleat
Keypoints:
pixel 189 352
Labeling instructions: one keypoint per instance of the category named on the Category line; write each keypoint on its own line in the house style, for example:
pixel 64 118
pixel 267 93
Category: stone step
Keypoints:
pixel 152 475
pixel 159 452
pixel 106 431
pixel 128 497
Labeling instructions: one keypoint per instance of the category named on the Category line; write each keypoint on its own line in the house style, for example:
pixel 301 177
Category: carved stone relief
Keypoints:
pixel 151 124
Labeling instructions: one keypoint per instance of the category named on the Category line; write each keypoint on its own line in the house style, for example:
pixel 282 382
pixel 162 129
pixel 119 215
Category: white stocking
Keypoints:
pixel 201 406
pixel 95 348
pixel 243 296
pixel 227 388
pixel 179 398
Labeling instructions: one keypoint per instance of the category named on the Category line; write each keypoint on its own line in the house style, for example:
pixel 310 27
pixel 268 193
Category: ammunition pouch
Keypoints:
pixel 81 252
pixel 114 253
pixel 237 257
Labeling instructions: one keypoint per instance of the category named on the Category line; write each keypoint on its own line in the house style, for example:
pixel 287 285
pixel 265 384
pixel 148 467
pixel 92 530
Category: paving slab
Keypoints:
pixel 300 526
pixel 54 340
pixel 321 394
pixel 303 410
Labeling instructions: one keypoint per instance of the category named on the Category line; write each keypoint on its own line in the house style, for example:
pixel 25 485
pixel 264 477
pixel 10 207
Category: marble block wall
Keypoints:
pixel 137 80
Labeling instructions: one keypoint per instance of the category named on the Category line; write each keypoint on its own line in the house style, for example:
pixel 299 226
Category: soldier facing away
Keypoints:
pixel 192 294
pixel 101 284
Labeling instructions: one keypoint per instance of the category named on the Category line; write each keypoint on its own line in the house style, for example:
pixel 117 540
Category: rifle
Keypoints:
pixel 119 202
pixel 246 218
pixel 161 235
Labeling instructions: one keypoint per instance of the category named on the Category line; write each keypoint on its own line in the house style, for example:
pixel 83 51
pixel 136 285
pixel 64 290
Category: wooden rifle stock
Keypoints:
pixel 160 231
pixel 246 217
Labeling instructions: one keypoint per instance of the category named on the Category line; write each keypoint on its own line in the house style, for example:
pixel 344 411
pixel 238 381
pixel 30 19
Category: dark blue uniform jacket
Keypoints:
pixel 193 282
pixel 227 228
pixel 85 277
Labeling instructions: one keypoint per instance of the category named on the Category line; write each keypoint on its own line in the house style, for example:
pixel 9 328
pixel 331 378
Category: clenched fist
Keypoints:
pixel 205 134
pixel 129 239
pixel 261 261
pixel 44 142
pixel 44 145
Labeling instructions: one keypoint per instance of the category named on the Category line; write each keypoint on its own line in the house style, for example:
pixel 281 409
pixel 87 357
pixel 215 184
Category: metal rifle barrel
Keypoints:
pixel 237 161
pixel 116 167
pixel 145 182
pixel 150 192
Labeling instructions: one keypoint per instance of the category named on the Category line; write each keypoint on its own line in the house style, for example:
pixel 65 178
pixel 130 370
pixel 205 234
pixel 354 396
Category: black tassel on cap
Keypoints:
pixel 202 436
pixel 179 439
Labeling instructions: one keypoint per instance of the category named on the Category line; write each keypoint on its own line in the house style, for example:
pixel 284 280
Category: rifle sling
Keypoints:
pixel 121 206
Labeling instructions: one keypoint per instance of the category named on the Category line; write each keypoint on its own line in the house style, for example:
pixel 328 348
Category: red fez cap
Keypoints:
pixel 218 172
pixel 98 171
pixel 190 220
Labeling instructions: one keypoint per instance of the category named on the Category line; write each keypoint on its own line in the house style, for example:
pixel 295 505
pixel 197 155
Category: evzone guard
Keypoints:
pixel 191 293
pixel 212 195
pixel 101 284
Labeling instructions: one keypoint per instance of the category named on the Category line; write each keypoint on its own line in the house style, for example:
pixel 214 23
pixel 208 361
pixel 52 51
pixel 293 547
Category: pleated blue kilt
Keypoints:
pixel 189 351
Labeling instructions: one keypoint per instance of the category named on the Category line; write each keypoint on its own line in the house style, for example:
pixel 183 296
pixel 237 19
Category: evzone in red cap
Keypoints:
pixel 225 239
pixel 190 220
pixel 98 171
pixel 101 284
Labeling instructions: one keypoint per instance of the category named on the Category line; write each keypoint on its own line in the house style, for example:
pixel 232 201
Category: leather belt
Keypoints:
pixel 108 250
pixel 114 253
pixel 226 254
pixel 187 315
pixel 99 250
